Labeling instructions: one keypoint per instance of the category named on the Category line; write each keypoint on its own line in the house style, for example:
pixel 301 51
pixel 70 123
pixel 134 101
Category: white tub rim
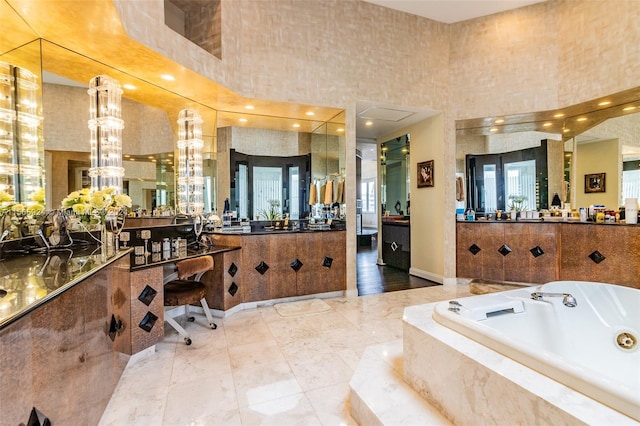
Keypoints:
pixel 613 395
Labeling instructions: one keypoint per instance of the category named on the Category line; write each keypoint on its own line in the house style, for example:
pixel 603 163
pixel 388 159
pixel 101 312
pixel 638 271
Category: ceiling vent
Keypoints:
pixel 385 114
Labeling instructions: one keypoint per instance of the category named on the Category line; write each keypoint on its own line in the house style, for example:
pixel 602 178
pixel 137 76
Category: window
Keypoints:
pixel 630 184
pixel 490 188
pixel 520 184
pixel 368 193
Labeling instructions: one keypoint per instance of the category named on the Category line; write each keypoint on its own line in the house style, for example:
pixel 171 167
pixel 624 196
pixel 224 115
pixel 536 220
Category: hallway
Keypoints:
pixel 374 279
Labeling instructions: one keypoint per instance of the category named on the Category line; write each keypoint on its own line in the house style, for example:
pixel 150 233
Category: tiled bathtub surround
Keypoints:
pixel 261 368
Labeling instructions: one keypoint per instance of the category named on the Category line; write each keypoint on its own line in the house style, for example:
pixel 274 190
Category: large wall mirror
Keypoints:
pixel 272 165
pixel 150 113
pixel 596 138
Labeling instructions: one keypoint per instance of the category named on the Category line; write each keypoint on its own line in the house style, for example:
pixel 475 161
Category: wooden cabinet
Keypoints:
pixel 279 265
pixel 518 252
pixel 601 253
pixel 146 325
pixel 541 252
pixel 396 244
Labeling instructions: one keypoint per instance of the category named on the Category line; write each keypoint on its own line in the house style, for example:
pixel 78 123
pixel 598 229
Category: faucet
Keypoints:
pixel 567 299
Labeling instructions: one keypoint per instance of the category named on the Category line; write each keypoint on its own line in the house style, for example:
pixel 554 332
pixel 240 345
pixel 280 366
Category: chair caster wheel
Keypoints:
pixel 187 341
pixel 191 319
pixel 213 325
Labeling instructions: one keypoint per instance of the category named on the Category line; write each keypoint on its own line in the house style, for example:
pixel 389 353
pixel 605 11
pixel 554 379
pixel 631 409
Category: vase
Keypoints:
pixel 106 242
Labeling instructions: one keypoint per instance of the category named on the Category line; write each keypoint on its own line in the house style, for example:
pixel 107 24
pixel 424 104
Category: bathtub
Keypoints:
pixel 592 348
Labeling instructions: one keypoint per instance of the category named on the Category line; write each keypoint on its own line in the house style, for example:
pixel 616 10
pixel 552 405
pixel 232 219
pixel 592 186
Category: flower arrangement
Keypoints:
pixel 33 207
pixel 517 202
pixel 91 206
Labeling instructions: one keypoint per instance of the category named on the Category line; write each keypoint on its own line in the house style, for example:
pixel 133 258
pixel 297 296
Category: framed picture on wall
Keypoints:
pixel 594 182
pixel 425 174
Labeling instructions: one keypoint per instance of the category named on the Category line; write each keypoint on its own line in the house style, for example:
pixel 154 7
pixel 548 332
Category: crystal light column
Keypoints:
pixel 190 180
pixel 21 171
pixel 106 133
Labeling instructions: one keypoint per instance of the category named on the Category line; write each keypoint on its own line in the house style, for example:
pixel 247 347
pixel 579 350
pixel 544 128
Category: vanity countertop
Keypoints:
pixel 30 280
pixel 155 259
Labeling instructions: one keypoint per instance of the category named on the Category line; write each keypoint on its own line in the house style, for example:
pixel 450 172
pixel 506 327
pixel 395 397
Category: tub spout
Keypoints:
pixel 567 299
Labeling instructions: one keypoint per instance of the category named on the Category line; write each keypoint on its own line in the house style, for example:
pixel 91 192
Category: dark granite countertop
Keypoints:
pixel 155 259
pixel 549 220
pixel 30 280
pixel 274 231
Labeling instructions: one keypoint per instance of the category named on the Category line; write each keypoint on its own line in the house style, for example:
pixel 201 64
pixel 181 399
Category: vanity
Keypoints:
pixel 542 251
pixel 63 331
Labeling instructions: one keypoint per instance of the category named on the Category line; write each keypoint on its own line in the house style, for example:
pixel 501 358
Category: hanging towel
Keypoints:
pixel 340 197
pixel 328 197
pixel 313 194
pixel 460 196
pixel 323 190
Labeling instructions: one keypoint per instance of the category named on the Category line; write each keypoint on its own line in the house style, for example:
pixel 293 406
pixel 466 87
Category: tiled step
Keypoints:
pixel 379 395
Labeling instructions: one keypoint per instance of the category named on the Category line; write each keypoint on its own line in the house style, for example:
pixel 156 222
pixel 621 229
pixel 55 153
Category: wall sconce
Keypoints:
pixel 21 173
pixel 190 180
pixel 106 133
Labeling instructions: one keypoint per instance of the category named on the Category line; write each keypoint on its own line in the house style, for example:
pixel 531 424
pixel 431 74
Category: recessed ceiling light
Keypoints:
pixel 150 157
pixel 129 86
pixel 168 77
pixel 566 130
pixel 170 155
pixel 310 113
pixel 127 155
pixel 369 123
pixel 582 119
pixel 604 103
pixel 250 107
pixel 629 108
pixel 558 115
pixel 242 120
pixel 342 130
pixel 547 124
pixel 132 159
pixel 493 129
pixel 296 125
pixel 499 121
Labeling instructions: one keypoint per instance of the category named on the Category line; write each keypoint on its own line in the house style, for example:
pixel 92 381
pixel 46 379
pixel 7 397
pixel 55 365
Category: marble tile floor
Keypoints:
pixel 259 368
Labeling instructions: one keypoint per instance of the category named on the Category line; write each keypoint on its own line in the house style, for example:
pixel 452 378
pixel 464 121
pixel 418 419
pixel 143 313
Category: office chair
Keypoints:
pixel 181 291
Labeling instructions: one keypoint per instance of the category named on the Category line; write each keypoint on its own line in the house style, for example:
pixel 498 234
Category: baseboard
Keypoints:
pixel 426 275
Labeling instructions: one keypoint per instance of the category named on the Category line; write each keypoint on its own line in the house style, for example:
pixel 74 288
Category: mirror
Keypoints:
pixel 156 107
pixel 395 176
pixel 150 114
pixel 594 137
pixel 270 170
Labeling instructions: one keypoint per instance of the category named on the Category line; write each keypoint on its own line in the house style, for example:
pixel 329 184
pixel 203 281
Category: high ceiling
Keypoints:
pixel 450 11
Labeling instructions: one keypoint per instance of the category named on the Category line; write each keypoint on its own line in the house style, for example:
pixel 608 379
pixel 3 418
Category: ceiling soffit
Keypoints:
pixel 93 29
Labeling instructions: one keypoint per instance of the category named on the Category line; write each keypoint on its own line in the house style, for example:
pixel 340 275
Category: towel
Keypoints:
pixel 460 195
pixel 313 194
pixel 328 196
pixel 340 197
pixel 323 190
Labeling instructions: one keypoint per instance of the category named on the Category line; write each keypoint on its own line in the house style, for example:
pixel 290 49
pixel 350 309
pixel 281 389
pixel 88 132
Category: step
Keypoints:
pixel 380 396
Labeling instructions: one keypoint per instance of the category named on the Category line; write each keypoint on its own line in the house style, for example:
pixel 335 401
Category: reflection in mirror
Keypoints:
pixel 598 136
pixel 21 143
pixel 149 136
pixel 273 168
pixel 395 174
